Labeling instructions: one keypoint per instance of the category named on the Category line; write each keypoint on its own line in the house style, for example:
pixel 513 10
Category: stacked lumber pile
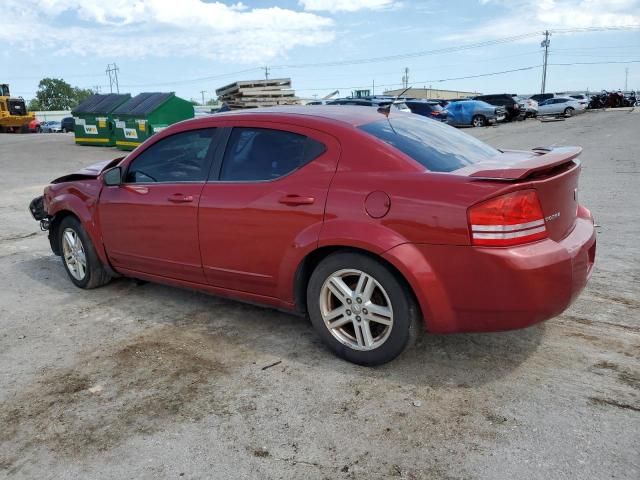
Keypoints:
pixel 257 93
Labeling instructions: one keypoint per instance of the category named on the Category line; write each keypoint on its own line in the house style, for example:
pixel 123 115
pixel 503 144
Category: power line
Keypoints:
pixel 194 80
pixel 594 63
pixel 418 82
pixel 403 56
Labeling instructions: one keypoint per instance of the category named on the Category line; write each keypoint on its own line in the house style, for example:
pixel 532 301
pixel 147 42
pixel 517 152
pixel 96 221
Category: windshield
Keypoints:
pixel 438 147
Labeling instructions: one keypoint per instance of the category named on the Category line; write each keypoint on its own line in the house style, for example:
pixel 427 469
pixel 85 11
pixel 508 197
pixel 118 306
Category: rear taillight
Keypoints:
pixel 510 219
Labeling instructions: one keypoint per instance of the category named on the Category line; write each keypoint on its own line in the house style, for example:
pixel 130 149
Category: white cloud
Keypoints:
pixel 524 16
pixel 135 28
pixel 347 5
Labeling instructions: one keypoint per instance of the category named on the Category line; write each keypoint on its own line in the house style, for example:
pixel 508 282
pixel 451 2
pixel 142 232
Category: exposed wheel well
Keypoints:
pixel 311 261
pixel 53 229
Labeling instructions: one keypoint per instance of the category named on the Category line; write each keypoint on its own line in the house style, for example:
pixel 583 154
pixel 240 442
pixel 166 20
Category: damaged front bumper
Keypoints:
pixel 38 212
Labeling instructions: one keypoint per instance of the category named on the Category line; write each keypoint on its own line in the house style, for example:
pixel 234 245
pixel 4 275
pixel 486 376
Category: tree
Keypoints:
pixel 34 105
pixel 81 94
pixel 56 94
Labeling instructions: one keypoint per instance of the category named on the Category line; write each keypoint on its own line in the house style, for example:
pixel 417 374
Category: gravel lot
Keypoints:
pixel 147 381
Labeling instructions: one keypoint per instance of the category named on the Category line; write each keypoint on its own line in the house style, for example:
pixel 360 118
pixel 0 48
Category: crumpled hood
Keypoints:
pixel 89 172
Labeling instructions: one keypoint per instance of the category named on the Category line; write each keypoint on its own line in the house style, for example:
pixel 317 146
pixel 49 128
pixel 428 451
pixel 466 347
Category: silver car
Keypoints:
pixel 560 106
pixel 529 106
pixel 50 127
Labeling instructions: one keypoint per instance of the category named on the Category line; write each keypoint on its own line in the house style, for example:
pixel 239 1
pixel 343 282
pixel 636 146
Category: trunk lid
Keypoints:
pixel 552 171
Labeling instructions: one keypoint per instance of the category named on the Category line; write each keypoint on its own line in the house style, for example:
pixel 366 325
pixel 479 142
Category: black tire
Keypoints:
pixel 95 273
pixel 478 121
pixel 38 129
pixel 568 112
pixel 405 321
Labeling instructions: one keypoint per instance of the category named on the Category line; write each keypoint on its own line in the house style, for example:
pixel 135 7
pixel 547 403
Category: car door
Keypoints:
pixel 557 105
pixel 545 107
pixel 456 114
pixel 263 208
pixel 150 221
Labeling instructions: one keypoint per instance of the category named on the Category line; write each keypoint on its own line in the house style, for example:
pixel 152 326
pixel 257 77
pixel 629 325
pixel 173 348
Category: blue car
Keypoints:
pixel 474 113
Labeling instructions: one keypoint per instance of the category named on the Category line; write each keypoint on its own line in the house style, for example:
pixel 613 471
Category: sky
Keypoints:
pixel 190 46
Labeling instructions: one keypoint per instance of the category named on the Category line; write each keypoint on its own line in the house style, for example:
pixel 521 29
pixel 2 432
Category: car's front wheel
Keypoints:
pixel 478 121
pixel 361 309
pixel 79 255
pixel 568 112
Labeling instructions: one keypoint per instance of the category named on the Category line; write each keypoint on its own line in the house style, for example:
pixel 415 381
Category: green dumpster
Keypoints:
pixel 94 123
pixel 145 114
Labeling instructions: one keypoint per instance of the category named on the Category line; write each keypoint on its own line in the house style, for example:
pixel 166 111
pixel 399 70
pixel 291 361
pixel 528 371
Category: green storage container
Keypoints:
pixel 94 122
pixel 146 114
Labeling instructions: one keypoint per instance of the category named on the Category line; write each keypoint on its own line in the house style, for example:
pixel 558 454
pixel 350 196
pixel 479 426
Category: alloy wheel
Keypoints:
pixel 478 121
pixel 73 253
pixel 356 309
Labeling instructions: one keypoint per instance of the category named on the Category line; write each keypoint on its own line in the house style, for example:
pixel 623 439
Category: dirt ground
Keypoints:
pixel 147 381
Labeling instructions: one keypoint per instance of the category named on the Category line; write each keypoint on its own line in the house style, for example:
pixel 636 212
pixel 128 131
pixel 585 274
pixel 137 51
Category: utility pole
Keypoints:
pixel 373 87
pixel 202 92
pixel 112 71
pixel 266 73
pixel 545 44
pixel 626 78
pixel 405 78
pixel 96 88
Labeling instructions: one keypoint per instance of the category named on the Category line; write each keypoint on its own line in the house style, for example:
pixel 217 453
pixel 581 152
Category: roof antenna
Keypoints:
pixel 386 109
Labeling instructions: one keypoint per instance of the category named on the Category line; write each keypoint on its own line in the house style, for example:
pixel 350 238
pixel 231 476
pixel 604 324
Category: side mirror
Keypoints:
pixel 112 177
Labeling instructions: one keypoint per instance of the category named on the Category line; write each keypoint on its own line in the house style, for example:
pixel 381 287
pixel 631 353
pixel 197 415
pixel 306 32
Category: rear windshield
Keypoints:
pixel 438 147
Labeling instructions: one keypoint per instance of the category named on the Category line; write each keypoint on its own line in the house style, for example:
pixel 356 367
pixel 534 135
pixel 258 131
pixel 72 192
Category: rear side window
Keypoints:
pixel 257 154
pixel 183 157
pixel 438 147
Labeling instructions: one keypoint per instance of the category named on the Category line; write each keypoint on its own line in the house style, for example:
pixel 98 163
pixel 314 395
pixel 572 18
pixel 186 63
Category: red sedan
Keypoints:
pixel 368 224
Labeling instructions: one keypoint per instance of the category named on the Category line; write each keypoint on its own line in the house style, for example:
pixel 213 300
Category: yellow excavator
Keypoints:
pixel 14 116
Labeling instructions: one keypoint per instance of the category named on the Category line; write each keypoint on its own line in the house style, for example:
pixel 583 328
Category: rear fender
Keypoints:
pixel 404 256
pixel 437 312
pixel 375 238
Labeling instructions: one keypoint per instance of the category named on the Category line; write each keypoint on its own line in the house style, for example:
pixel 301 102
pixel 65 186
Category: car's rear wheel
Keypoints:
pixel 478 121
pixel 568 112
pixel 79 255
pixel 362 311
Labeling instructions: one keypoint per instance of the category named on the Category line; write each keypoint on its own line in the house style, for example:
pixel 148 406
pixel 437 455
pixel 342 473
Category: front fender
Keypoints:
pixel 85 210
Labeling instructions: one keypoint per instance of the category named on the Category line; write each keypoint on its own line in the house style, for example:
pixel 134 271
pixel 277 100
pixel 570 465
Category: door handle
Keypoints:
pixel 295 200
pixel 180 198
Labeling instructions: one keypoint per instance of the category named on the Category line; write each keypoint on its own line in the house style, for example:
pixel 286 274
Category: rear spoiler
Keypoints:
pixel 546 158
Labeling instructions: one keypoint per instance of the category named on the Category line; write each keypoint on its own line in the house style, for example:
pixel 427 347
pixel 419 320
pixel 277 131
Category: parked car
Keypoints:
pixel 371 102
pixel 68 124
pixel 529 106
pixel 560 106
pixel 473 113
pixel 508 102
pixel 34 126
pixel 541 97
pixel 51 126
pixel 582 99
pixel 427 109
pixel 369 223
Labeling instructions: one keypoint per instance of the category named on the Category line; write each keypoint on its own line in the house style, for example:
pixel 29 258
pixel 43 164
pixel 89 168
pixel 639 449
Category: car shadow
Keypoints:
pixel 454 360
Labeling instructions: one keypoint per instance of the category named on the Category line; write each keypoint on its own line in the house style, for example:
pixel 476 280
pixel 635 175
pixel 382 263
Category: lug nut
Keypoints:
pixel 364 310
pixel 348 312
pixel 349 301
pixel 357 318
pixel 359 300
